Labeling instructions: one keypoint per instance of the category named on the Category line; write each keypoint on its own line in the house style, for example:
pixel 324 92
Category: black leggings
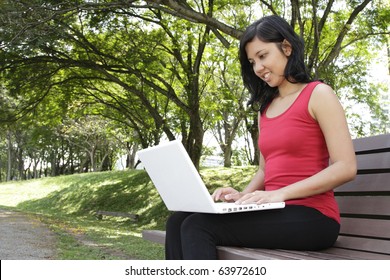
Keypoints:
pixel 196 235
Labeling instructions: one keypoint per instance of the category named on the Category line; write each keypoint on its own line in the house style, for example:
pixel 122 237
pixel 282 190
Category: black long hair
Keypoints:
pixel 271 29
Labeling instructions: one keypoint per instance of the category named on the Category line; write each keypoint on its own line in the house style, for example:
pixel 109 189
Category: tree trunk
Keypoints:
pixel 9 156
pixel 227 155
pixel 194 142
pixel 254 132
pixel 53 163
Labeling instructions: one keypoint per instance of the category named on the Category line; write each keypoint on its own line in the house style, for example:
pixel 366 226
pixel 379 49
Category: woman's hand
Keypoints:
pixel 260 197
pixel 226 194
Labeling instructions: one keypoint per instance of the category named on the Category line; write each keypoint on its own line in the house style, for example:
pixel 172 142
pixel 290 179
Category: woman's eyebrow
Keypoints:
pixel 257 53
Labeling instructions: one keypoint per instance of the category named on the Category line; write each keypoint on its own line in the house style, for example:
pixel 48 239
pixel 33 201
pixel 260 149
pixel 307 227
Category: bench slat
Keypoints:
pixel 101 213
pixel 233 253
pixel 373 161
pixel 156 236
pixel 236 253
pixel 364 205
pixel 365 227
pixel 364 244
pixel 355 255
pixel 303 255
pixel 367 183
pixel 372 143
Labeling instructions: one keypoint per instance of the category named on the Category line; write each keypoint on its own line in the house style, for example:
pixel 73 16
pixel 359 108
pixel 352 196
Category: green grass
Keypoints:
pixel 68 205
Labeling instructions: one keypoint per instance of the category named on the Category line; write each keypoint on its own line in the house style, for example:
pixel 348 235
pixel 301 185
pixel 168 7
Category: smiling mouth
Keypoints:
pixel 266 77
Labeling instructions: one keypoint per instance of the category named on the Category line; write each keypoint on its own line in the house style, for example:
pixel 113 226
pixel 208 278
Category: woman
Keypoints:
pixel 305 152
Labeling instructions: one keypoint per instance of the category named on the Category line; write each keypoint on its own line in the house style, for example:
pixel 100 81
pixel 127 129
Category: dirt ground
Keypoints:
pixel 23 237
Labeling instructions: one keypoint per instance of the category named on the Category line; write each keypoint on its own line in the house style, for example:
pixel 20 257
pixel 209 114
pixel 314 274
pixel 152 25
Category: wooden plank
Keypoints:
pixel 373 161
pixel 156 236
pixel 308 255
pixel 364 244
pixel 355 255
pixel 367 183
pixel 372 143
pixel 238 253
pixel 366 227
pixel 234 253
pixel 327 254
pixel 364 205
pixel 101 213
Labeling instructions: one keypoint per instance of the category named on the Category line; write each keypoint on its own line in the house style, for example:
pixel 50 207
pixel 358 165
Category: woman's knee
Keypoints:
pixel 197 224
pixel 175 220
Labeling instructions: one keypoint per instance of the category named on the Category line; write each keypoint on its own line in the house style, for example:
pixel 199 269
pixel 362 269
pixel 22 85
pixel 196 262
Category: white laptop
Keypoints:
pixel 180 185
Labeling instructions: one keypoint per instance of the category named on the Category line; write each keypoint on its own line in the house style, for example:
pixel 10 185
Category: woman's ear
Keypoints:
pixel 286 47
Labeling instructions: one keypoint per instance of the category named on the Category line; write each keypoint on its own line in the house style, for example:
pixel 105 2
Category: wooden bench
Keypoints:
pixel 100 214
pixel 365 213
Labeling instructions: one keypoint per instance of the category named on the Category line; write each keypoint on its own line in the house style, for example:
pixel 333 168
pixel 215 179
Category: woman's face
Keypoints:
pixel 268 61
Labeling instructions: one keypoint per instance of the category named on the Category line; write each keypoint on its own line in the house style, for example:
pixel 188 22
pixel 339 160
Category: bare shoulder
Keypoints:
pixel 323 100
pixel 322 91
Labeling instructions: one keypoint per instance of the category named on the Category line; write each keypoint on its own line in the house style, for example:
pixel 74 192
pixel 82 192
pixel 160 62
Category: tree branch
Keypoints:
pixel 337 47
pixel 187 13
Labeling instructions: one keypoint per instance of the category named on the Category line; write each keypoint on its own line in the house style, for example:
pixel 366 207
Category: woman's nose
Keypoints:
pixel 258 67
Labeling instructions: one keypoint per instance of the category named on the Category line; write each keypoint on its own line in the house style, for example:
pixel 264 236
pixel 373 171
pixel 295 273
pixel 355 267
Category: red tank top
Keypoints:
pixel 294 148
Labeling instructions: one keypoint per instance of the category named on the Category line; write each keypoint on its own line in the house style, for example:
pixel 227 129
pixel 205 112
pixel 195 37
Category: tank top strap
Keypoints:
pixel 307 91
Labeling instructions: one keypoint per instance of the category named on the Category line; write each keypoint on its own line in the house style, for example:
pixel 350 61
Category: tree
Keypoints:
pixel 89 133
pixel 76 51
pixel 226 99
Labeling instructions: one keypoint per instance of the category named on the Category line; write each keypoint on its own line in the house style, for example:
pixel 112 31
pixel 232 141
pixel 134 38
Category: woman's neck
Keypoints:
pixel 289 89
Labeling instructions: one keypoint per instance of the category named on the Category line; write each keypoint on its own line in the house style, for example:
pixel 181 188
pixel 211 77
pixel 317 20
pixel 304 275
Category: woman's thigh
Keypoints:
pixel 293 227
